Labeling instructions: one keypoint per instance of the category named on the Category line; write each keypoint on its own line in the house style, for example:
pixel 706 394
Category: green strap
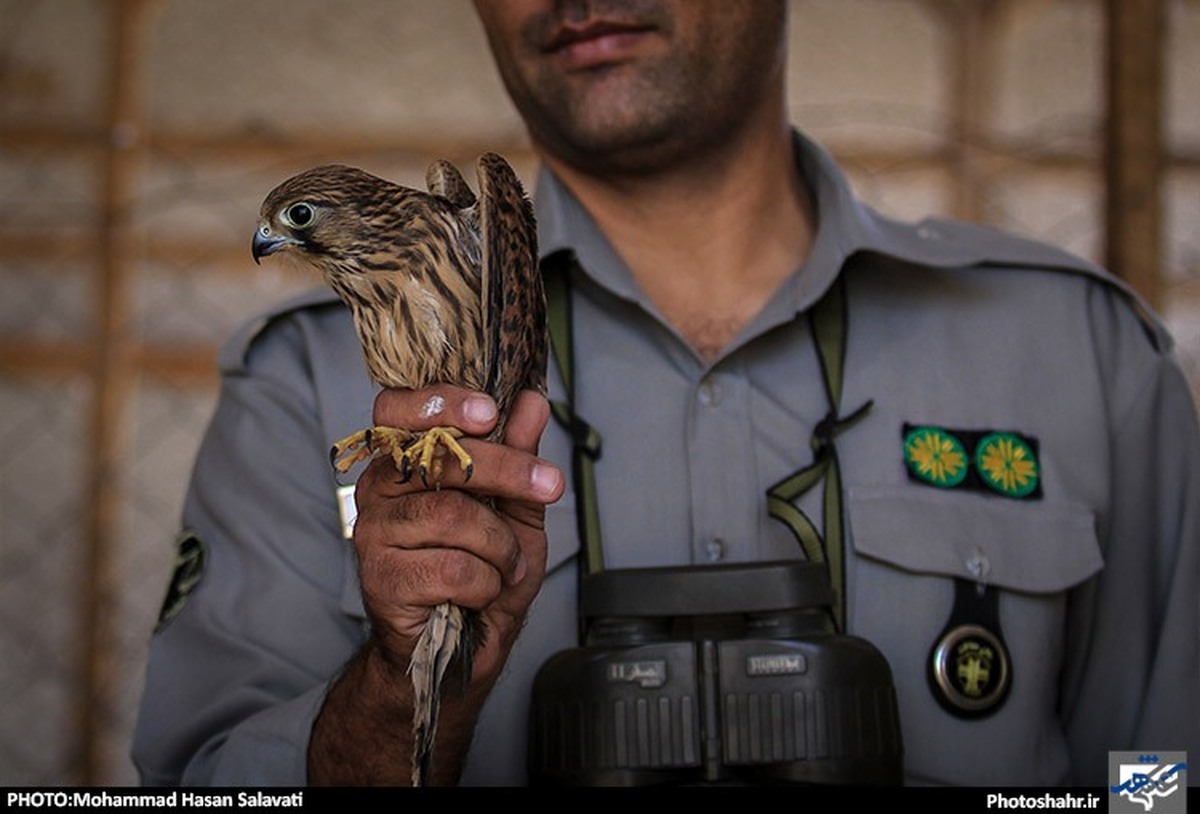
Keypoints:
pixel 827 320
pixel 585 441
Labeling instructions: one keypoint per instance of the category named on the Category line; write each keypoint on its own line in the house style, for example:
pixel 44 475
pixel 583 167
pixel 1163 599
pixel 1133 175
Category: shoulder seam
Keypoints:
pixel 1009 250
pixel 232 356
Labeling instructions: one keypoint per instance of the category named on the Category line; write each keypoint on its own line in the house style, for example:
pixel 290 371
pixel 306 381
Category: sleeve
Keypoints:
pixel 1133 677
pixel 237 675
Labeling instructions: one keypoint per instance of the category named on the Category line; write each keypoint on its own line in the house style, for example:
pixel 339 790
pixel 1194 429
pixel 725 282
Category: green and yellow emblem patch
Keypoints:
pixel 1007 464
pixel 992 461
pixel 935 456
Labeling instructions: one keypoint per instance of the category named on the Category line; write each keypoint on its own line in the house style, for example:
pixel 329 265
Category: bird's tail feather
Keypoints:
pixel 436 647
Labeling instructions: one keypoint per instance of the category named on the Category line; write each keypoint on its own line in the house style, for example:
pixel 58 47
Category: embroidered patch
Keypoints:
pixel 1007 464
pixel 935 456
pixel 189 568
pixel 991 461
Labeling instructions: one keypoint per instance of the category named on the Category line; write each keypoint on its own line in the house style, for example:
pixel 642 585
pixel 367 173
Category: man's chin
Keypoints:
pixel 616 153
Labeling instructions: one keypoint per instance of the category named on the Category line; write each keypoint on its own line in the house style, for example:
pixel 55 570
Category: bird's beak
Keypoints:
pixel 265 242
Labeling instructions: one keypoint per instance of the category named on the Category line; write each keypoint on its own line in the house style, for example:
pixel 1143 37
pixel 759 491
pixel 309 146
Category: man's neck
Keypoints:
pixel 711 242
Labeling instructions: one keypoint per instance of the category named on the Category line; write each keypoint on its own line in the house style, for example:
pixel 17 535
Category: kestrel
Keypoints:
pixel 444 287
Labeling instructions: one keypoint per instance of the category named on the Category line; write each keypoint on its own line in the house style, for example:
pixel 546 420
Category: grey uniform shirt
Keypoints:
pixel 950 326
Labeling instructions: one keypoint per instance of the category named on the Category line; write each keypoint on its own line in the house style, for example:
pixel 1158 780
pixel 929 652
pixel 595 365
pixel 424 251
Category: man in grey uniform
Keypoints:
pixel 1021 435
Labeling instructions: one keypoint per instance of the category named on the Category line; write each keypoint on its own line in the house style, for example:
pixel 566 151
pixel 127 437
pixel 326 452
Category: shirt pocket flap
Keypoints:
pixel 1031 546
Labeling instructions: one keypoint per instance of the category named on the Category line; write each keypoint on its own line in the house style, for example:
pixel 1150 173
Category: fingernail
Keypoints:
pixel 479 409
pixel 545 479
pixel 521 569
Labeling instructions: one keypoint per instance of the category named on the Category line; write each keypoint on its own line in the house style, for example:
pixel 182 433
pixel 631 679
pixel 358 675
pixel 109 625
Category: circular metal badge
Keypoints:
pixel 970 671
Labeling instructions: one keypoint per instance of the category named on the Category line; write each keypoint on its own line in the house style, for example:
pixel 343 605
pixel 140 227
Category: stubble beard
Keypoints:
pixel 633 123
pixel 647 118
pixel 650 113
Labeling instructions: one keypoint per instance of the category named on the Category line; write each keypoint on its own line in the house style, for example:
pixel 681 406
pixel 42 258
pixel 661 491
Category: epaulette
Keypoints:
pixel 947 243
pixel 232 356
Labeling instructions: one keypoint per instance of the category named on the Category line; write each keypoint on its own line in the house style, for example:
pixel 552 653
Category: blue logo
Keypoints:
pixel 1143 781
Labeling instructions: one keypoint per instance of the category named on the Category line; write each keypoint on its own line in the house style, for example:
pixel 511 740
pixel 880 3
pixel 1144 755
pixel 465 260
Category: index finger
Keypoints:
pixel 440 405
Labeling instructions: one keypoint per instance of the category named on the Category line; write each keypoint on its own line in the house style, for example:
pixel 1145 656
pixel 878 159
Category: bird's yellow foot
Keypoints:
pixel 426 451
pixel 365 443
pixel 419 452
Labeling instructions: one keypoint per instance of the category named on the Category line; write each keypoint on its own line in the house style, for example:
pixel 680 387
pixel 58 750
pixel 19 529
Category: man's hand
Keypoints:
pixel 419 546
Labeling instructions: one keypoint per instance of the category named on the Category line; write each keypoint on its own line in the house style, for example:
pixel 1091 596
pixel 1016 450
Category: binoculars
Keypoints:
pixel 714 676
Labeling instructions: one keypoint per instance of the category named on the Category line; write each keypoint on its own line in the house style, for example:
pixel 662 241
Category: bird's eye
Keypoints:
pixel 299 215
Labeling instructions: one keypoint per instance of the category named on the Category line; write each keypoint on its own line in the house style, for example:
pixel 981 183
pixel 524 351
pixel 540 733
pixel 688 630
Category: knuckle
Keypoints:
pixel 467 580
pixel 390 407
pixel 425 547
pixel 441 511
pixel 456 569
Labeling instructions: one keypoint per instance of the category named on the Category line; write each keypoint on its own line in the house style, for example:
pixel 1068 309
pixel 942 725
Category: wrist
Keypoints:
pixel 362 735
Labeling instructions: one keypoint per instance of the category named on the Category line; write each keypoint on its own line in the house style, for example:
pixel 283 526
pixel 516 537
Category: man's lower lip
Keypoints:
pixel 594 52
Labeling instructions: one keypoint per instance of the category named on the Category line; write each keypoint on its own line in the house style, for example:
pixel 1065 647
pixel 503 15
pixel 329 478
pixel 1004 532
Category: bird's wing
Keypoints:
pixel 514 306
pixel 443 178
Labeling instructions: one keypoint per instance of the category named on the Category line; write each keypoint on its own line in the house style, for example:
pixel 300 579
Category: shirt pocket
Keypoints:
pixel 910 546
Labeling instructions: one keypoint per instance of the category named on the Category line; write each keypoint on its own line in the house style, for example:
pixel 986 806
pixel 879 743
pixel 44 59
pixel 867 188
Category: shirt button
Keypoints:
pixel 978 566
pixel 710 393
pixel 714 549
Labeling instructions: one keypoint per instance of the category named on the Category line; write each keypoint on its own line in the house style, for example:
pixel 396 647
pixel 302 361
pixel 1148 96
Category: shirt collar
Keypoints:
pixel 565 226
pixel 845 227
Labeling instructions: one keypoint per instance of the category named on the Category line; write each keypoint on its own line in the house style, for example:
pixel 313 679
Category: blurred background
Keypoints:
pixel 137 138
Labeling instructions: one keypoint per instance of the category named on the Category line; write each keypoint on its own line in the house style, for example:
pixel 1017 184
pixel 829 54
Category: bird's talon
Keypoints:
pixel 412 453
pixel 350 450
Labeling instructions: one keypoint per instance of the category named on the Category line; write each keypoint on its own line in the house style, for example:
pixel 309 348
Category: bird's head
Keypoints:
pixel 320 214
